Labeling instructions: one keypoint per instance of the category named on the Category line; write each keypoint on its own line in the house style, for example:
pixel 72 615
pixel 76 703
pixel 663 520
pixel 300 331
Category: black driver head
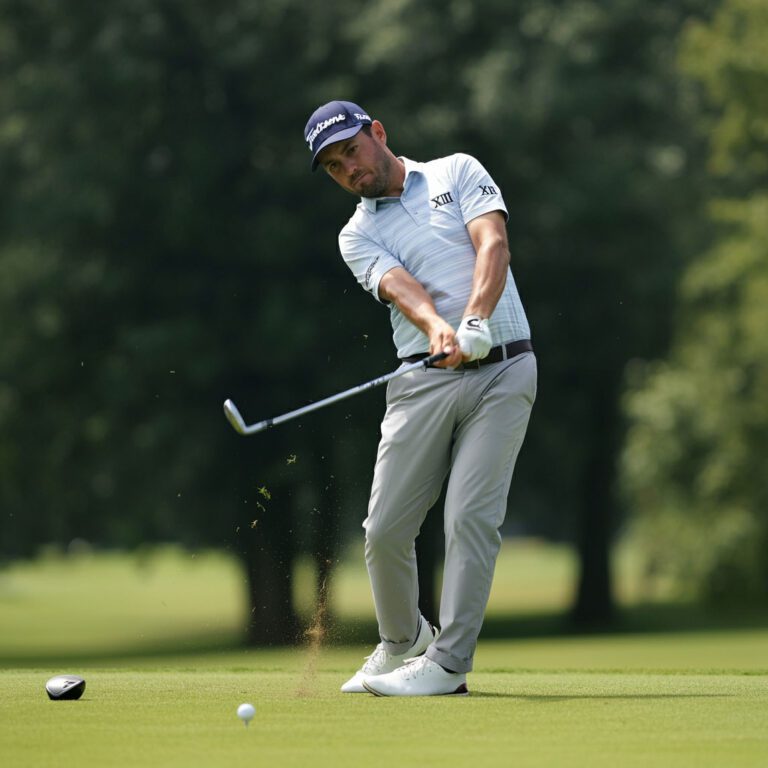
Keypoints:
pixel 65 687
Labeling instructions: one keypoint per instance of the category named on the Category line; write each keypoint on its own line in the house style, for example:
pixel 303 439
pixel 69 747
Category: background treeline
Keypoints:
pixel 163 246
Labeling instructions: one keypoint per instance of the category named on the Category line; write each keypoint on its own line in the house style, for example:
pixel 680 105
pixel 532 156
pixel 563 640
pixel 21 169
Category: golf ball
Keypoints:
pixel 246 712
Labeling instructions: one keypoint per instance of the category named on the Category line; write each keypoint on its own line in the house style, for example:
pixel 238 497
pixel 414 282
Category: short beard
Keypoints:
pixel 380 184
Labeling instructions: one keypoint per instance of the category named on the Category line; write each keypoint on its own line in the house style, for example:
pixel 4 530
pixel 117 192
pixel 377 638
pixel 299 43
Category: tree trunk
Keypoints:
pixel 326 538
pixel 272 620
pixel 594 605
pixel 265 544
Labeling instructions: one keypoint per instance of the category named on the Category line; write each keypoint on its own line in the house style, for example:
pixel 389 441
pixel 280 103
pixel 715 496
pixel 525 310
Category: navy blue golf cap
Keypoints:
pixel 334 121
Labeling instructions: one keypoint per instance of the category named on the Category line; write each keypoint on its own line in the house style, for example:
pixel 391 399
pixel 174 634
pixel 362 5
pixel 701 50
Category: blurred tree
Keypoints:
pixel 155 257
pixel 694 465
pixel 163 246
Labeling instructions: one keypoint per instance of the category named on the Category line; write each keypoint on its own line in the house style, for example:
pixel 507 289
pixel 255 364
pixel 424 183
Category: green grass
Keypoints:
pixel 584 702
pixel 157 640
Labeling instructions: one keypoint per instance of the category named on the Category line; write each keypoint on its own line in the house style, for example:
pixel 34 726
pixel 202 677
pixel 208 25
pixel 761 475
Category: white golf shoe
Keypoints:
pixel 418 677
pixel 380 661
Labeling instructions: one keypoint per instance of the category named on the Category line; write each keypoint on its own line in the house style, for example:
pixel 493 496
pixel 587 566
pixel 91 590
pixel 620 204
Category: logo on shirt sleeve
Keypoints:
pixel 369 273
pixel 487 189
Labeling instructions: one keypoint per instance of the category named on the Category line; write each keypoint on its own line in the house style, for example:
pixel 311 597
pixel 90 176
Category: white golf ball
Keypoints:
pixel 246 712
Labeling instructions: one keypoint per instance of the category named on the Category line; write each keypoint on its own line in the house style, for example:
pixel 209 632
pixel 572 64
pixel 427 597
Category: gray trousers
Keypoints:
pixel 470 424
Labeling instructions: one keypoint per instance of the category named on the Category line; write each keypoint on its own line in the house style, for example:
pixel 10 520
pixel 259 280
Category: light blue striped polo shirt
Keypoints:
pixel 425 231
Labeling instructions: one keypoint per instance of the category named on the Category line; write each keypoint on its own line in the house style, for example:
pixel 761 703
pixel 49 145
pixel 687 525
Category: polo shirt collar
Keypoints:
pixel 411 167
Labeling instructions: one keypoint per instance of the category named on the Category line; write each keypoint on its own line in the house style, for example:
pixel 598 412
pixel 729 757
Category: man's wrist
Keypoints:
pixel 474 337
pixel 474 318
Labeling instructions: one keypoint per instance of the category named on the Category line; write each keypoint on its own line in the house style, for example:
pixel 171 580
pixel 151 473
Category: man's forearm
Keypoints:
pixel 490 276
pixel 489 280
pixel 410 297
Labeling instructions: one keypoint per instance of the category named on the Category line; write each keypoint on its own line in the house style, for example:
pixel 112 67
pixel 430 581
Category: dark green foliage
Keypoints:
pixel 694 467
pixel 164 246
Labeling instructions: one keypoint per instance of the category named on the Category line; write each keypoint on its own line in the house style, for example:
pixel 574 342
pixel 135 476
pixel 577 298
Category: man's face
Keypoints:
pixel 361 165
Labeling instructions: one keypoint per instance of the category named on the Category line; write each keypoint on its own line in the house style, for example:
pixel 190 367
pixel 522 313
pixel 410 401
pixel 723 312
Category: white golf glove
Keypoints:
pixel 474 337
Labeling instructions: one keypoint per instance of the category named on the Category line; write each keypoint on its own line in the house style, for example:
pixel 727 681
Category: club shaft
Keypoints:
pixel 260 426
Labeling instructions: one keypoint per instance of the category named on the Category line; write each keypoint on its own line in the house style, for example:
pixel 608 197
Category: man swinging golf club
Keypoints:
pixel 428 240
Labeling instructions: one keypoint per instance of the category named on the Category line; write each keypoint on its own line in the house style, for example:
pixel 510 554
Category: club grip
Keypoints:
pixel 432 359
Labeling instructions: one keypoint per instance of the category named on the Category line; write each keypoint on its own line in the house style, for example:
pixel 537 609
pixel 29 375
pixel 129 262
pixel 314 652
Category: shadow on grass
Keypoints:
pixel 178 649
pixel 654 618
pixel 556 697
pixel 639 619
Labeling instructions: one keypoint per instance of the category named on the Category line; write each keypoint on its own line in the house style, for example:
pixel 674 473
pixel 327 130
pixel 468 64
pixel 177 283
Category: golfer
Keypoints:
pixel 428 241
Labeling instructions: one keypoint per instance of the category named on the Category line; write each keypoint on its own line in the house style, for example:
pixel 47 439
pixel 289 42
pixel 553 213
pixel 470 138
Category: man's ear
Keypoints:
pixel 377 129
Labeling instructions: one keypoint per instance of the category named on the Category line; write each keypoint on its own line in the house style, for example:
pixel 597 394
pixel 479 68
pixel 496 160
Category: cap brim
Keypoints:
pixel 346 133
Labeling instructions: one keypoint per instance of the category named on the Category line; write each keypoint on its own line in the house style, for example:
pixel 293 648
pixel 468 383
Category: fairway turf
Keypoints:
pixel 157 639
pixel 676 700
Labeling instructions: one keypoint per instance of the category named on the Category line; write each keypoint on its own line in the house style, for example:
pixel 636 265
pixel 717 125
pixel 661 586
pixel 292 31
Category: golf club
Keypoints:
pixel 237 421
pixel 65 687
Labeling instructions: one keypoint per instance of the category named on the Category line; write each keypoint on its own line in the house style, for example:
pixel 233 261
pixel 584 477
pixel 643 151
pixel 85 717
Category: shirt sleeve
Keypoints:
pixel 368 260
pixel 478 192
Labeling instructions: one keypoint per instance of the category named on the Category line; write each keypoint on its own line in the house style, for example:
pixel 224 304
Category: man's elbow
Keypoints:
pixel 390 285
pixel 496 247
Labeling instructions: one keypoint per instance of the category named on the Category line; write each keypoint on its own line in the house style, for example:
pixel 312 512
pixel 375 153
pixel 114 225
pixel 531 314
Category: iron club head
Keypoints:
pixel 234 417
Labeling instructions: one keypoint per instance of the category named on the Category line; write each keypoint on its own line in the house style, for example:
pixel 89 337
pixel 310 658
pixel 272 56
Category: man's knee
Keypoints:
pixel 383 537
pixel 464 525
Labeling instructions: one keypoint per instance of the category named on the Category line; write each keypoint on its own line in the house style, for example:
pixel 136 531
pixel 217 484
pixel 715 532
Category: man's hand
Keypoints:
pixel 442 338
pixel 474 338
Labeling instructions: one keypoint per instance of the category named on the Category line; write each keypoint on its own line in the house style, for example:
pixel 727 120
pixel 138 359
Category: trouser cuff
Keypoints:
pixel 398 649
pixel 449 662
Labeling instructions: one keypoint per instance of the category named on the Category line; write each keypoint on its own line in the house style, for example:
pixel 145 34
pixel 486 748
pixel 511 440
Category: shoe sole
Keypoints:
pixel 462 690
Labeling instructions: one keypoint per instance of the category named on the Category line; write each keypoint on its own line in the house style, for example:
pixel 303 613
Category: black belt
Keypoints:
pixel 496 355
